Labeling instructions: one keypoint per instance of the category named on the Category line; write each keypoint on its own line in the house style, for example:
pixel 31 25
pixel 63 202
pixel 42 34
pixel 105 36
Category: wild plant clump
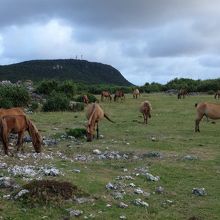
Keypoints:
pixel 43 192
pixel 76 132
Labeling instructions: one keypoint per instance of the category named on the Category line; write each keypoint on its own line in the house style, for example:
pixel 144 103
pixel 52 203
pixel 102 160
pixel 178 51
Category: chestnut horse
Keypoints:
pixel 94 115
pixel 119 94
pixel 11 111
pixel 217 94
pixel 85 99
pixel 18 124
pixel 210 110
pixel 136 93
pixel 106 95
pixel 182 93
pixel 145 109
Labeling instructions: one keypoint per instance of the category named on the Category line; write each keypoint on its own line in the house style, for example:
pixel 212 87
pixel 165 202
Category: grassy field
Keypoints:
pixel 170 132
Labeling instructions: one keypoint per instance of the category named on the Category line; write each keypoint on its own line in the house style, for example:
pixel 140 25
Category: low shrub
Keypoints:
pixel 91 98
pixel 56 102
pixel 76 132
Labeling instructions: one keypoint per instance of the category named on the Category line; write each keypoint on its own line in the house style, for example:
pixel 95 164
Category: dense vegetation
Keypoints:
pixel 63 69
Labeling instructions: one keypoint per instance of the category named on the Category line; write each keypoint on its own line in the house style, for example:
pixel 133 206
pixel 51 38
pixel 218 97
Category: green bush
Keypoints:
pixel 47 86
pixel 34 106
pixel 13 96
pixel 76 132
pixel 76 106
pixel 56 102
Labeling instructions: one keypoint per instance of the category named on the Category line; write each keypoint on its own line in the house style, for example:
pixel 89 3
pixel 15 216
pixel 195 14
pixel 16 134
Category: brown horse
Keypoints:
pixel 94 115
pixel 106 95
pixel 182 93
pixel 18 124
pixel 145 109
pixel 217 94
pixel 11 111
pixel 209 110
pixel 136 93
pixel 85 99
pixel 119 94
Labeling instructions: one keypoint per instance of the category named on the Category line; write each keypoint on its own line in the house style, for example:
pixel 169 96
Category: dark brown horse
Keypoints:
pixel 85 99
pixel 145 109
pixel 94 115
pixel 119 94
pixel 217 94
pixel 210 110
pixel 106 95
pixel 182 93
pixel 18 124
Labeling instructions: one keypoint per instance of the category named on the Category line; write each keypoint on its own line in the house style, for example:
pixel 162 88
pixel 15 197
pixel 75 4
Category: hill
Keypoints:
pixel 63 69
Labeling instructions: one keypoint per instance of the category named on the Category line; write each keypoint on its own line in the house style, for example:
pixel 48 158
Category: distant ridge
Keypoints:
pixel 63 69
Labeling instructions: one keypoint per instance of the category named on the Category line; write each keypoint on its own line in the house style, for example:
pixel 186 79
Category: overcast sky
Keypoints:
pixel 146 40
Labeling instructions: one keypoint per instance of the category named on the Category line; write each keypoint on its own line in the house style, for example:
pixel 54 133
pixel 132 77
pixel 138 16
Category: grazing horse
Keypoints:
pixel 217 94
pixel 210 110
pixel 85 99
pixel 106 95
pixel 94 115
pixel 11 111
pixel 18 124
pixel 136 93
pixel 145 109
pixel 119 94
pixel 182 93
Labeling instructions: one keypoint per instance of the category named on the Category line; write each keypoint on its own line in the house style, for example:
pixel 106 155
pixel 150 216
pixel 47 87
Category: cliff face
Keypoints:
pixel 63 69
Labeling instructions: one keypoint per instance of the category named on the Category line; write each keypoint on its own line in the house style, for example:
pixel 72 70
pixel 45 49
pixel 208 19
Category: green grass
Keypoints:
pixel 172 124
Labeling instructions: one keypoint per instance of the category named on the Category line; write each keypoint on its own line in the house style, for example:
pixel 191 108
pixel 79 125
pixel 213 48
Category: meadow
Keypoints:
pixel 169 133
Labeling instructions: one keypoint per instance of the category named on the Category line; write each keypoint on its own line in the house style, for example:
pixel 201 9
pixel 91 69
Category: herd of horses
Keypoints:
pixel 14 120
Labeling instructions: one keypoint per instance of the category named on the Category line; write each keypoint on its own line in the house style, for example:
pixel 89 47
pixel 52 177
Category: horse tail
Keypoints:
pixel 196 104
pixel 108 118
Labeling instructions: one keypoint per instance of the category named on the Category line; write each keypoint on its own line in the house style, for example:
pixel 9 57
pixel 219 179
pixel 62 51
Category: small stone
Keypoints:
pixel 76 170
pixel 132 185
pixel 21 193
pixel 74 213
pixel 139 202
pixel 159 190
pixel 150 177
pixel 199 191
pixel 122 217
pixel 97 151
pixel 123 205
pixel 108 205
pixel 138 191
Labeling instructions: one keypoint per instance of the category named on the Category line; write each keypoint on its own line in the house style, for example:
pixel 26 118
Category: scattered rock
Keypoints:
pixel 75 213
pixel 139 202
pixel 150 177
pixel 199 191
pixel 83 200
pixel 97 151
pixel 123 205
pixel 138 191
pixel 117 195
pixel 76 170
pixel 21 193
pixel 51 171
pixel 122 217
pixel 159 190
pixel 7 182
pixel 3 165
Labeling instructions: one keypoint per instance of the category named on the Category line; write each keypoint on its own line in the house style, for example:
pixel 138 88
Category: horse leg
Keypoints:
pixel 20 142
pixel 97 130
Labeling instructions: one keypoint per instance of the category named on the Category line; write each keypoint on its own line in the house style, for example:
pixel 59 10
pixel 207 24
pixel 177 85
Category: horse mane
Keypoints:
pixel 35 136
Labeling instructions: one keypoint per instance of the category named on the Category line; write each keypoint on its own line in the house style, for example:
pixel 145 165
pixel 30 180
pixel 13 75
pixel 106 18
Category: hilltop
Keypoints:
pixel 63 69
